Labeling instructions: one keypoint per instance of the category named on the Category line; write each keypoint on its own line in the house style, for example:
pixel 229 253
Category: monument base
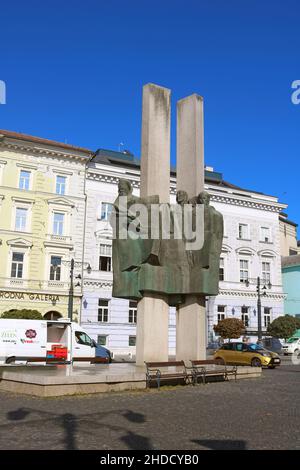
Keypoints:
pixel 152 329
pixel 191 329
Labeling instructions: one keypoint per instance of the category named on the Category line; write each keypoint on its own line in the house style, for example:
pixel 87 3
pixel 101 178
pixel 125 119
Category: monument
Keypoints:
pixel 158 267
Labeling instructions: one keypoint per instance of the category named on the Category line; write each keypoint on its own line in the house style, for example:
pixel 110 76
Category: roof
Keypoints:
pixel 39 140
pixel 287 221
pixel 127 159
pixel 287 261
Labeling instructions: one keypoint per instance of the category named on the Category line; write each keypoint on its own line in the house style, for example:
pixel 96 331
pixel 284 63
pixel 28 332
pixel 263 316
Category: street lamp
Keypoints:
pixel 260 291
pixel 73 264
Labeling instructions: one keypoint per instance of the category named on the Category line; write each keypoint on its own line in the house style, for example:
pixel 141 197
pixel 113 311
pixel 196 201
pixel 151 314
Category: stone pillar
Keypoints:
pixel 153 311
pixel 190 316
pixel 190 145
pixel 191 329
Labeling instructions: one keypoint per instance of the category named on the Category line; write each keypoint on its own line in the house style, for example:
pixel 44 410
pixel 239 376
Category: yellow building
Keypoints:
pixel 42 214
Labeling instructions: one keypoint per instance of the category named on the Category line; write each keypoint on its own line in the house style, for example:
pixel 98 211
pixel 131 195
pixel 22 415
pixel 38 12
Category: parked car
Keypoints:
pixel 247 354
pixel 212 347
pixel 272 344
pixel 291 346
pixel 101 351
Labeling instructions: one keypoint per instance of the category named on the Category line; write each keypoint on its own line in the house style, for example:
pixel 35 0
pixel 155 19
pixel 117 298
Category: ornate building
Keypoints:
pixel 42 214
pixel 251 248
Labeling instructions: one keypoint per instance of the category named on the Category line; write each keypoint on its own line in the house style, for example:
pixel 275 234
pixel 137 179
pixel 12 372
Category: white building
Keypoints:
pixel 251 248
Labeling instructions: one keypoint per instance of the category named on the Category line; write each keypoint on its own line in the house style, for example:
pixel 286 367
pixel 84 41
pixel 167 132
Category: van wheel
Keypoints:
pixel 256 362
pixel 10 360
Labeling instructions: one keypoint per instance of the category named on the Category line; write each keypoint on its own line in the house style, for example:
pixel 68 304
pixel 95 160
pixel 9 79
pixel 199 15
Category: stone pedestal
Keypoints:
pixel 152 329
pixel 153 310
pixel 191 330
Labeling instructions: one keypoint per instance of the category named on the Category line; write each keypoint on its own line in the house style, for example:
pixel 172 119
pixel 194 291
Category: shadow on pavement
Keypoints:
pixel 221 444
pixel 71 425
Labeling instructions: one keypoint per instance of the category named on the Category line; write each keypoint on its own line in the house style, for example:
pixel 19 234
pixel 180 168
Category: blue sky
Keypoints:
pixel 74 72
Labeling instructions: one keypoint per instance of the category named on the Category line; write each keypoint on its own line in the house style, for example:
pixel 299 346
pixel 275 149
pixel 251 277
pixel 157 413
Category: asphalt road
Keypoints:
pixel 259 413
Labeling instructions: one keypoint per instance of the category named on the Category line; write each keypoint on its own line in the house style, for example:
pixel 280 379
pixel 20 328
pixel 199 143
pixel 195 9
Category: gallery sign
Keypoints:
pixel 29 296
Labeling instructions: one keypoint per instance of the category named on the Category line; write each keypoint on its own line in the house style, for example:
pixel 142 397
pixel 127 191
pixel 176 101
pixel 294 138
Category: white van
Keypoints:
pixel 44 341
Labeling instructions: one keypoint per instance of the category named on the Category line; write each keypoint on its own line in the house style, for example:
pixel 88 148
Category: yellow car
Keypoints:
pixel 247 354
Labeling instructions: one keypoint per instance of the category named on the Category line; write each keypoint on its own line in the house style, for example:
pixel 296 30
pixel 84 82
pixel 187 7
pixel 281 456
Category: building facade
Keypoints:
pixel 288 236
pixel 42 214
pixel 291 284
pixel 251 248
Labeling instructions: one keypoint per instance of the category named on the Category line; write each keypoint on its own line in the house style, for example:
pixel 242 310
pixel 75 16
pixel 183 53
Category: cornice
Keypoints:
pixel 231 199
pixel 99 284
pixel 234 200
pixel 251 295
pixel 42 151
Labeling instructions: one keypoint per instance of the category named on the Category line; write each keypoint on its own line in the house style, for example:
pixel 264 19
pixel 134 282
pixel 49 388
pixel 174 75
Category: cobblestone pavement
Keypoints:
pixel 259 413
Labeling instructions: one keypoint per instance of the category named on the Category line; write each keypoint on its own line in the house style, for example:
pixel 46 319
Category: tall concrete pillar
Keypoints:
pixel 153 310
pixel 190 316
pixel 190 145
pixel 191 329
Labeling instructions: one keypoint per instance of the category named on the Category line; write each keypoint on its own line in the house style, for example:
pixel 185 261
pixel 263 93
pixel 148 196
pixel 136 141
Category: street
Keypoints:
pixel 249 414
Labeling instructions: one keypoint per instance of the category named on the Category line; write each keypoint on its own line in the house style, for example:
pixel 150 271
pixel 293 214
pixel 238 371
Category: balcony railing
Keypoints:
pixel 59 238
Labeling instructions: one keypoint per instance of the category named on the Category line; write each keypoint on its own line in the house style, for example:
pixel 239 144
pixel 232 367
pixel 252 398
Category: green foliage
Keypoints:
pixel 230 328
pixel 284 327
pixel 23 314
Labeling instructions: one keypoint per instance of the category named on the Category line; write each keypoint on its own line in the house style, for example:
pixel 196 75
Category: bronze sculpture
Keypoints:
pixel 164 265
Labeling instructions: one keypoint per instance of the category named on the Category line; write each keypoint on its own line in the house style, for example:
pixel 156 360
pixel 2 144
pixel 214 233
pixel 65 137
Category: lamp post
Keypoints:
pixel 73 263
pixel 260 291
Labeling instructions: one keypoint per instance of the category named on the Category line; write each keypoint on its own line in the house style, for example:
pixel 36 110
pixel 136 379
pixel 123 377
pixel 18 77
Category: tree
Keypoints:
pixel 230 328
pixel 23 314
pixel 283 327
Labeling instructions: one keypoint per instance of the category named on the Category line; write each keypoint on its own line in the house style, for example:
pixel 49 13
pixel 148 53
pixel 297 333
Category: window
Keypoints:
pixel 103 310
pixel 83 338
pixel 106 209
pixel 221 312
pixel 101 339
pixel 55 268
pixel 265 234
pixel 61 185
pixel 132 311
pixel 244 231
pixel 105 263
pixel 58 223
pixel 132 341
pixel 292 252
pixel 245 316
pixel 244 270
pixel 228 347
pixel 267 316
pixel 17 265
pixel 24 181
pixel 221 270
pixel 105 257
pixel 21 217
pixel 266 272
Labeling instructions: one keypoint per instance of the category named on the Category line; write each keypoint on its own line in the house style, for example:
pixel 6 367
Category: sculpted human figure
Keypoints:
pixel 128 253
pixel 205 270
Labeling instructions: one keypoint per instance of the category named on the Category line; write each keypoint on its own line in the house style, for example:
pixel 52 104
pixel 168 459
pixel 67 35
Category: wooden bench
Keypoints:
pixel 157 371
pixel 211 368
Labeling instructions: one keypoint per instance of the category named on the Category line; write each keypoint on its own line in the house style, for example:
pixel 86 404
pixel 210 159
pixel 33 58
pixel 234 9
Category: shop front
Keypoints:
pixel 51 306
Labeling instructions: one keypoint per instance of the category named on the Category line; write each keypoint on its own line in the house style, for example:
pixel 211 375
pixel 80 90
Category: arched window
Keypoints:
pixel 52 315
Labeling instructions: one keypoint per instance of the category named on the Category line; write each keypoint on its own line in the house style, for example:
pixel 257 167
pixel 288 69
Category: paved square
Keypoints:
pixel 259 413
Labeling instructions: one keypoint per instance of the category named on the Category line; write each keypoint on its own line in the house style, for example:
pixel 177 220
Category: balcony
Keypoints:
pixel 58 240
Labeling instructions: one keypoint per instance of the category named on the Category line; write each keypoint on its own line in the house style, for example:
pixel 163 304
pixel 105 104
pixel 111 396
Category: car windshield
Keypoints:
pixel 255 347
pixel 292 340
